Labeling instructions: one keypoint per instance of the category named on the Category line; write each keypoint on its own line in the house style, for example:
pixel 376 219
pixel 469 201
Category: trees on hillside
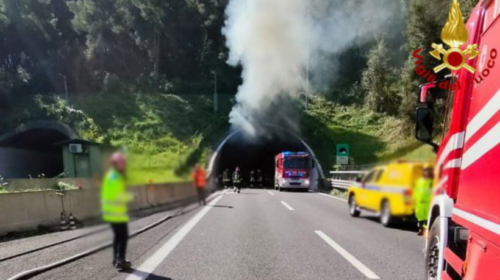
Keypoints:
pixel 113 45
pixel 376 79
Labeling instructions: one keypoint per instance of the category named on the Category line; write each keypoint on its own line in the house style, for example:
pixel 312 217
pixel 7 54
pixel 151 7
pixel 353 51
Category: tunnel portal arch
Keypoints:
pixel 235 149
pixel 29 150
pixel 47 127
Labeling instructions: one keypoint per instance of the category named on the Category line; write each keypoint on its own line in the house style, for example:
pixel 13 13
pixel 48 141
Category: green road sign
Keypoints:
pixel 342 150
pixel 342 153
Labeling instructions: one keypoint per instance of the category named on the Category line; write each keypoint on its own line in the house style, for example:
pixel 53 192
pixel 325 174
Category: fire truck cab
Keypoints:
pixel 464 222
pixel 292 171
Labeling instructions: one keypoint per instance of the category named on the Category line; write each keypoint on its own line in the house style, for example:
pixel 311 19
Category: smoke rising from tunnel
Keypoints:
pixel 278 42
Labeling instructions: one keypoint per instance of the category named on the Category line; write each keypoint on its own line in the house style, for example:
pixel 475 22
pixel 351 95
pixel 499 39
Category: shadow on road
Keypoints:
pixel 145 275
pixel 405 226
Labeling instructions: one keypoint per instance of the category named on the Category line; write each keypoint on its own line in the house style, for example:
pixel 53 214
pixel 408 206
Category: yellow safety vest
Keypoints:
pixel 114 198
pixel 422 196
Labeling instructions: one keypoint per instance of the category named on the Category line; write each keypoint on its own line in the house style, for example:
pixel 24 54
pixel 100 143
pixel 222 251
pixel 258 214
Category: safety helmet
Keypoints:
pixel 118 158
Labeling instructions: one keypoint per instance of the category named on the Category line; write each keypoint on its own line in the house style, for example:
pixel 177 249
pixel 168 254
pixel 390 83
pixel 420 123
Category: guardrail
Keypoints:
pixel 344 179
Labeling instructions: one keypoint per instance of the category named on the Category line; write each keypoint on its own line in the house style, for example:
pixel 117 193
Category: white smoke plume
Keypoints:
pixel 277 41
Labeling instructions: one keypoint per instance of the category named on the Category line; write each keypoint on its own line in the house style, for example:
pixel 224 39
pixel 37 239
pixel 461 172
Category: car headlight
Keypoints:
pixel 306 182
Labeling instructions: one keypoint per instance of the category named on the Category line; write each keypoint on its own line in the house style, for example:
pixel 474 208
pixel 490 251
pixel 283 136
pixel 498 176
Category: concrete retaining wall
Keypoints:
pixel 28 210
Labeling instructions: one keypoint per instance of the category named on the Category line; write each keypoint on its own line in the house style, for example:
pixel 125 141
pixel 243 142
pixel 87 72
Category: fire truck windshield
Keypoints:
pixel 296 163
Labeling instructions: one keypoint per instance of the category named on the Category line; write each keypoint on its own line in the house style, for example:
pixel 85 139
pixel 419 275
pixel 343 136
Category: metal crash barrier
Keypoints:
pixel 344 179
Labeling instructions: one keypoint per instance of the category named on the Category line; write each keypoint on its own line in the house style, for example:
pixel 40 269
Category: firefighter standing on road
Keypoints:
pixel 226 178
pixel 252 179
pixel 260 178
pixel 237 180
pixel 114 200
pixel 199 183
pixel 422 195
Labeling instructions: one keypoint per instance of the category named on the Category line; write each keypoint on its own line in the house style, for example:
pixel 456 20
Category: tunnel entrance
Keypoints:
pixel 252 154
pixel 29 151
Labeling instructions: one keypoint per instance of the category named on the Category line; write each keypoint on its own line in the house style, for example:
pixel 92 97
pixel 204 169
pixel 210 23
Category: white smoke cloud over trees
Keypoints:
pixel 277 42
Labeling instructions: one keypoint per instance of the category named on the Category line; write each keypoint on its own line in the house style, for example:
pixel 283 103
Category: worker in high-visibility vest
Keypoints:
pixel 114 200
pixel 422 196
pixel 199 183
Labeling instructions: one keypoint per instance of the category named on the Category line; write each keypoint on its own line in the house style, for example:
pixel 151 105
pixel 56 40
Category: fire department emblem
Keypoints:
pixel 454 35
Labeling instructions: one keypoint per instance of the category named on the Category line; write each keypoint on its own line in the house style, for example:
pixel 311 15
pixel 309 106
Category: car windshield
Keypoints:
pixel 296 163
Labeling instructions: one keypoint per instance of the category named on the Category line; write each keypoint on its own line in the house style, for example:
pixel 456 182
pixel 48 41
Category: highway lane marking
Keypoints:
pixel 270 192
pixel 355 262
pixel 334 197
pixel 287 206
pixel 147 267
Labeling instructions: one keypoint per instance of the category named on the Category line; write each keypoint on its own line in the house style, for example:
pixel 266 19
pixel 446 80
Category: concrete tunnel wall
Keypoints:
pixel 288 140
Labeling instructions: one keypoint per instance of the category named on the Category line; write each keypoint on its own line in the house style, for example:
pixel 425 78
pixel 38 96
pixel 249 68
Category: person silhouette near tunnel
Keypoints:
pixel 226 178
pixel 260 178
pixel 252 178
pixel 237 179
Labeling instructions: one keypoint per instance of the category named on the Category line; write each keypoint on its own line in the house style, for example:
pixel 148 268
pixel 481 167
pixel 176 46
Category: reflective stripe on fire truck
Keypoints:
pixel 493 227
pixel 489 140
pixel 482 146
pixel 481 118
pixel 456 142
pixel 454 163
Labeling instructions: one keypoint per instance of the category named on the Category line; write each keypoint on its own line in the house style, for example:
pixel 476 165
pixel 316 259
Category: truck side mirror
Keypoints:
pixel 424 125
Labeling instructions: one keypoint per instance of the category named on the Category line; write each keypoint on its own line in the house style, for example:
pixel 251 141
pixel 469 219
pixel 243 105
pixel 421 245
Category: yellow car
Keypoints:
pixel 387 190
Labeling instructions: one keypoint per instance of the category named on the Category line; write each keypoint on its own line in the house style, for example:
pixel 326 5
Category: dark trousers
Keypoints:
pixel 120 240
pixel 201 196
pixel 422 224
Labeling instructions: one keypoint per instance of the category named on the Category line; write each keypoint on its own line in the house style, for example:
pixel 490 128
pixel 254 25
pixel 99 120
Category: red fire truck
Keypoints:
pixel 292 171
pixel 464 222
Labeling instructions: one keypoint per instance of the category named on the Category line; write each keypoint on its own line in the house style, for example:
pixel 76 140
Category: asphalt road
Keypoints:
pixel 261 234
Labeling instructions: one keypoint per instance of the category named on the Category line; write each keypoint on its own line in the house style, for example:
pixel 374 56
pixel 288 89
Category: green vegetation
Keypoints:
pixel 61 188
pixel 373 137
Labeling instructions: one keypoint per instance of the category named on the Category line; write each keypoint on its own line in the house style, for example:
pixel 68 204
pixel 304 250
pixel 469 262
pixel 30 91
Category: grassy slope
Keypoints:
pixel 372 137
pixel 165 135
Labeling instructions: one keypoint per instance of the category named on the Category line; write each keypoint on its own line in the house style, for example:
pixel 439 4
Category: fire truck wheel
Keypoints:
pixel 432 251
pixel 353 208
pixel 386 218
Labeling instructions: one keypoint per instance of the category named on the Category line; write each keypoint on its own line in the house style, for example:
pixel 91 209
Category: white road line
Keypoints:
pixel 147 267
pixel 287 206
pixel 270 192
pixel 334 197
pixel 355 262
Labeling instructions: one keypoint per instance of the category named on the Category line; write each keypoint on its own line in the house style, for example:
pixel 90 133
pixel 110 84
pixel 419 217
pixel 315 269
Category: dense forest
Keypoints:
pixel 127 48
